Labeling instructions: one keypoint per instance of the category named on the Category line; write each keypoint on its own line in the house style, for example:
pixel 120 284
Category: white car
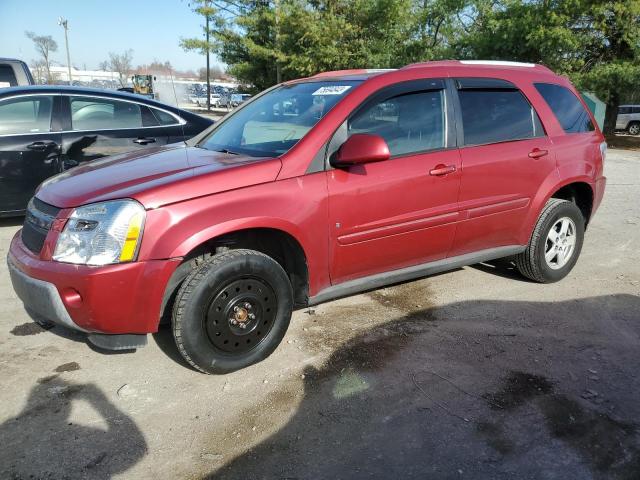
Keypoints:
pixel 629 119
pixel 215 100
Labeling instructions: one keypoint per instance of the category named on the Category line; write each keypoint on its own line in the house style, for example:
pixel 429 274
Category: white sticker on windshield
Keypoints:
pixel 332 90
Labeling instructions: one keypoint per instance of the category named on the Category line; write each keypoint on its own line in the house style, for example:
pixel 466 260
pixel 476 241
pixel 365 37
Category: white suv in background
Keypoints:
pixel 629 119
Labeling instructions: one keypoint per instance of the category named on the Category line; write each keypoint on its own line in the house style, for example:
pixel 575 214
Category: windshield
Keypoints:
pixel 274 122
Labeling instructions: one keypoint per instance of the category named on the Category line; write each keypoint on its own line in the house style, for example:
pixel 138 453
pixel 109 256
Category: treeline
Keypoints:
pixel 596 43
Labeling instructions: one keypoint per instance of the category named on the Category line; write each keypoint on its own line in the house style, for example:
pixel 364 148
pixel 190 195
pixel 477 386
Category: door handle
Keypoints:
pixel 442 169
pixel 41 146
pixel 144 140
pixel 537 153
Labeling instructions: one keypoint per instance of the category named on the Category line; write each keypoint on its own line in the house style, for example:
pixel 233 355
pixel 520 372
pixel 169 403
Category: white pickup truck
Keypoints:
pixel 14 73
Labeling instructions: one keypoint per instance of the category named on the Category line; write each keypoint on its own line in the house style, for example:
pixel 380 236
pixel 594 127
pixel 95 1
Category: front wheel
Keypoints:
pixel 232 311
pixel 555 244
pixel 634 128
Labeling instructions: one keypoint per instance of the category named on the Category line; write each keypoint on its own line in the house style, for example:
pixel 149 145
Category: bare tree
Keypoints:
pixel 44 45
pixel 39 71
pixel 104 66
pixel 121 63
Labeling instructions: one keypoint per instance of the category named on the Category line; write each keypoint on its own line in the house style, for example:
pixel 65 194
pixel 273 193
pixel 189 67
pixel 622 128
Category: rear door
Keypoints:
pixel 396 213
pixel 29 149
pixel 96 127
pixel 505 155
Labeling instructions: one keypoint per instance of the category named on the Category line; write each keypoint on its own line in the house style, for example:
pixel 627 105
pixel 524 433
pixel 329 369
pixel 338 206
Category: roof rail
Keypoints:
pixel 498 63
pixel 480 63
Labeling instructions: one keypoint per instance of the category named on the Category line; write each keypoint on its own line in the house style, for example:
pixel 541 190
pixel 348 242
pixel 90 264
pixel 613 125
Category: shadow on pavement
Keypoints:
pixel 481 390
pixel 43 442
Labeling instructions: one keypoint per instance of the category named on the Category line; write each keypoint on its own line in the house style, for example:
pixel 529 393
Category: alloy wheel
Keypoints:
pixel 560 244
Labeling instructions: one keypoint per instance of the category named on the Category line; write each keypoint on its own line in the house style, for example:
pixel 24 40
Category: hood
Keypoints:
pixel 157 176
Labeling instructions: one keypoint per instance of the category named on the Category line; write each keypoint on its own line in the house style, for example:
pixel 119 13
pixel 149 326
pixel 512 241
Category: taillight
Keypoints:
pixel 603 151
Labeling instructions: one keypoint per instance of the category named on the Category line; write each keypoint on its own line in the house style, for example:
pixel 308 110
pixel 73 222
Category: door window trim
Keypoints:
pixel 395 90
pixel 486 84
pixel 67 121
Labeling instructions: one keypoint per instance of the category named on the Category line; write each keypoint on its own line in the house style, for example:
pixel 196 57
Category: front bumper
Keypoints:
pixel 41 299
pixel 112 299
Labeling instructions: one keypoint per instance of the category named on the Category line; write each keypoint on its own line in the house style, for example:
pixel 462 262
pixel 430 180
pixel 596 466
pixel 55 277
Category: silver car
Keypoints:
pixel 629 119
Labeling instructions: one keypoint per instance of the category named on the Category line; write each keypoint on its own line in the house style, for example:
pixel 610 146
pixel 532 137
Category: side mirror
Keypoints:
pixel 361 148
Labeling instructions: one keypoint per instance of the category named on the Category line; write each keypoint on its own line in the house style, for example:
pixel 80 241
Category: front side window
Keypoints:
pixel 409 123
pixel 31 114
pixel 273 123
pixel 571 114
pixel 492 116
pixel 88 113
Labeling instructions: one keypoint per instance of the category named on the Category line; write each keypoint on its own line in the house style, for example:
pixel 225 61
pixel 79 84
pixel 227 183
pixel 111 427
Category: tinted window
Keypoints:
pixel 25 115
pixel 163 117
pixel 624 110
pixel 101 113
pixel 573 117
pixel 635 109
pixel 491 116
pixel 414 122
pixel 7 76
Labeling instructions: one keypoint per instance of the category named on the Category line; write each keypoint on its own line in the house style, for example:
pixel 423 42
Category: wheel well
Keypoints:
pixel 579 193
pixel 279 245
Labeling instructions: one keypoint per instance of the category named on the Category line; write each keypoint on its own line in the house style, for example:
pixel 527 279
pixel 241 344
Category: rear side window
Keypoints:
pixel 410 123
pixel 492 116
pixel 624 110
pixel 571 114
pixel 635 109
pixel 104 114
pixel 7 76
pixel 31 114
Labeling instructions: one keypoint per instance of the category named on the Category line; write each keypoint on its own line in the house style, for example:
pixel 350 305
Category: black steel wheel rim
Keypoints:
pixel 240 315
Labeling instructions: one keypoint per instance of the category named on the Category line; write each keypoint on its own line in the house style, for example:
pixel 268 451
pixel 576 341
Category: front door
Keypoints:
pixel 400 212
pixel 97 127
pixel 28 149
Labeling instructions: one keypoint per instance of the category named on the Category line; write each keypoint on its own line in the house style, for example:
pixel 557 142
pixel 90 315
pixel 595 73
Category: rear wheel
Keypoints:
pixel 634 128
pixel 232 311
pixel 555 244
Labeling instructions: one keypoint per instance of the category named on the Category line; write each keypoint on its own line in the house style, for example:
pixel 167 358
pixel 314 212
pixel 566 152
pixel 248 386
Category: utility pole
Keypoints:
pixel 65 24
pixel 208 51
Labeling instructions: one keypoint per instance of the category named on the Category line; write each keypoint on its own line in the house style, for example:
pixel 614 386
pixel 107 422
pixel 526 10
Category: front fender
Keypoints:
pixel 296 206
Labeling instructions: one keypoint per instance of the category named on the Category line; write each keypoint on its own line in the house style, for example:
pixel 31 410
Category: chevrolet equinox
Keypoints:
pixel 315 189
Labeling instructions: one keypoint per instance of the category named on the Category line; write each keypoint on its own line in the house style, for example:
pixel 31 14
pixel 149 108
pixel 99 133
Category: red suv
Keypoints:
pixel 315 189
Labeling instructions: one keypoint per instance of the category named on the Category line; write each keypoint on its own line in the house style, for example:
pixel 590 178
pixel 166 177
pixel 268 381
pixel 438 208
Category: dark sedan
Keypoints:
pixel 47 129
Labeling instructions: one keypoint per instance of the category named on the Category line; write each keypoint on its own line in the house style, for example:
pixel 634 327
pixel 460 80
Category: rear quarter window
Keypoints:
pixel 164 118
pixel 571 114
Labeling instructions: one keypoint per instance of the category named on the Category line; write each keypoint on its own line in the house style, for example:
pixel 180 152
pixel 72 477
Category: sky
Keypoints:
pixel 151 28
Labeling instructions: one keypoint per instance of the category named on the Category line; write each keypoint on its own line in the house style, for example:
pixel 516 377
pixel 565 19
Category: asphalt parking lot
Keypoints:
pixel 475 374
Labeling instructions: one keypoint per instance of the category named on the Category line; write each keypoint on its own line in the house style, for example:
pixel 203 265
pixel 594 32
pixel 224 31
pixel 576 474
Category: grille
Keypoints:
pixel 37 224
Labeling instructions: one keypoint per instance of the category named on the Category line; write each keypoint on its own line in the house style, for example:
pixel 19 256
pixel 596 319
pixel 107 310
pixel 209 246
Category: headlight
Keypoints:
pixel 102 233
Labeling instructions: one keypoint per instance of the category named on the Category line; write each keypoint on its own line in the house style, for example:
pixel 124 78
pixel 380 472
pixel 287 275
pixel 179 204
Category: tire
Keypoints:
pixel 556 214
pixel 634 128
pixel 229 287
